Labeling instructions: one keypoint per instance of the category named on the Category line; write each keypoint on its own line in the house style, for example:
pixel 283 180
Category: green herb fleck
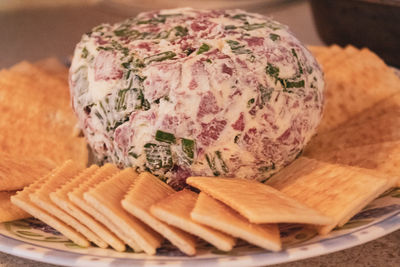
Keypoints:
pixel 203 48
pixel 208 60
pixel 267 168
pixel 118 123
pixel 230 27
pixel 298 61
pixel 221 162
pixel 188 147
pixel 211 164
pixel 85 52
pixel 240 16
pixel 144 104
pixel 272 70
pixel 274 37
pixel 159 57
pixel 237 48
pixel 250 102
pixel 236 139
pixel 165 137
pixel 255 26
pixel 181 31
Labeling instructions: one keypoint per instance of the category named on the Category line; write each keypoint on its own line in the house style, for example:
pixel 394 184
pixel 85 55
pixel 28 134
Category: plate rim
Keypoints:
pixel 264 258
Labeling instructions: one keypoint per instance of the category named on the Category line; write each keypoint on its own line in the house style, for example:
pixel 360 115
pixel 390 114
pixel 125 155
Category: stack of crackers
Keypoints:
pixel 350 162
pixel 36 129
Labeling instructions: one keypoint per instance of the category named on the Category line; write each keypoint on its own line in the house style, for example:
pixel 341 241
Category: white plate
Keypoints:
pixel 33 240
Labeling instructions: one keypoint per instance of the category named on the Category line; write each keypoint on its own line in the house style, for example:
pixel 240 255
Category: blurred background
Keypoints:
pixel 34 29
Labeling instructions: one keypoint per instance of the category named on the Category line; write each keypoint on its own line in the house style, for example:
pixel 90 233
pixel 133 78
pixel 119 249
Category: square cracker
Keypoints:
pixel 41 198
pixel 380 123
pixel 175 210
pixel 213 213
pixel 381 157
pixel 17 172
pixel 257 202
pixel 335 190
pixel 357 83
pixel 60 198
pixel 76 197
pixel 8 211
pixel 22 200
pixel 146 191
pixel 106 198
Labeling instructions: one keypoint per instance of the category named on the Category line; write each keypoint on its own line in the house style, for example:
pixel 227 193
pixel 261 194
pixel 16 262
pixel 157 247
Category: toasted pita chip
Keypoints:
pixel 382 157
pixel 17 172
pixel 338 56
pixel 147 191
pixel 22 200
pixel 41 198
pixel 257 202
pixel 106 198
pixel 37 119
pixel 324 54
pixel 335 190
pixel 175 210
pixel 378 124
pixel 213 213
pixel 359 82
pixel 60 198
pixel 8 211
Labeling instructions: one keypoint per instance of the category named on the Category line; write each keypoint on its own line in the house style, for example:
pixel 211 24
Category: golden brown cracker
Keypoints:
pixel 8 211
pixel 334 190
pixel 60 198
pixel 106 198
pixel 41 198
pixel 257 202
pixel 146 191
pixel 213 213
pixel 17 172
pixel 175 210
pixel 22 200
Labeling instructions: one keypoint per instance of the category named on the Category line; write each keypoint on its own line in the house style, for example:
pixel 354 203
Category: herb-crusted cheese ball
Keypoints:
pixel 193 92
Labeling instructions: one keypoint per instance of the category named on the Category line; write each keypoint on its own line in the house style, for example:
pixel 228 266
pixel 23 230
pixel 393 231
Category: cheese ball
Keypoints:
pixel 185 92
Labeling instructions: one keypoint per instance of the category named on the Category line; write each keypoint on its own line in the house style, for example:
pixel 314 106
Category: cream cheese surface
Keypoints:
pixel 186 92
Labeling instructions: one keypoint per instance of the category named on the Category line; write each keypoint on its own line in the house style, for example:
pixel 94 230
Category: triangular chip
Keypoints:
pixel 213 213
pixel 382 157
pixel 22 200
pixel 8 211
pixel 106 198
pixel 336 191
pixel 175 210
pixel 60 198
pixel 257 202
pixel 147 191
pixel 41 198
pixel 17 172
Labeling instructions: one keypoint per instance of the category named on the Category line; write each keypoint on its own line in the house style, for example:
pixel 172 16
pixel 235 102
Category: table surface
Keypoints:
pixel 28 35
